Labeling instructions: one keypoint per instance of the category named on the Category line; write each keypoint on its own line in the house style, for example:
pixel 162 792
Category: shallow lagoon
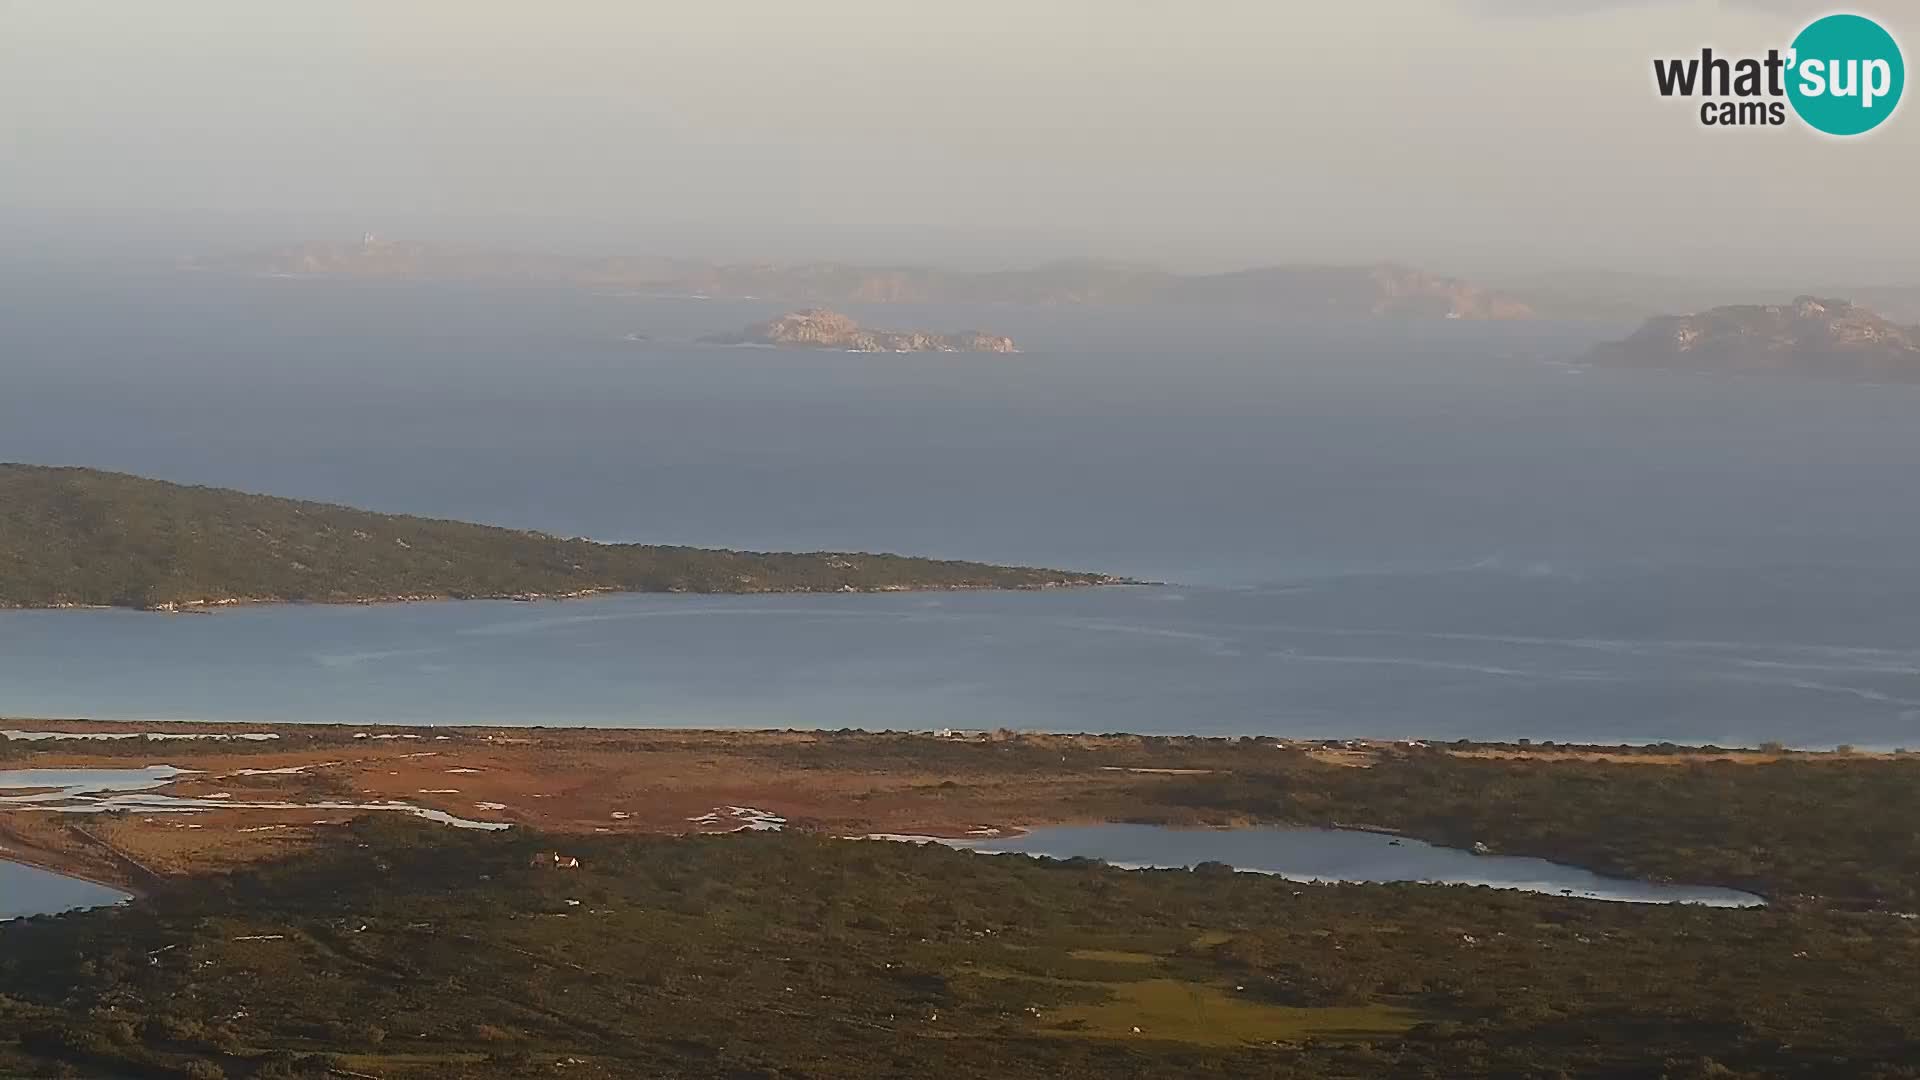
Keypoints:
pixel 1340 855
pixel 29 890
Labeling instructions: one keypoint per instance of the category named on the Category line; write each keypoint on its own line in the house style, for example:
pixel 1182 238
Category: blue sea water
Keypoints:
pixel 1435 530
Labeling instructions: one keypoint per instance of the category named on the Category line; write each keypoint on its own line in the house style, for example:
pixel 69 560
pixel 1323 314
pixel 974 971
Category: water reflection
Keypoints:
pixel 1348 855
pixel 29 890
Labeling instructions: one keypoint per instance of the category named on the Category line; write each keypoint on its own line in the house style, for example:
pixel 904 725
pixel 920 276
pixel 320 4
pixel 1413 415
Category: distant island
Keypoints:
pixel 819 328
pixel 85 538
pixel 1810 336
pixel 1381 290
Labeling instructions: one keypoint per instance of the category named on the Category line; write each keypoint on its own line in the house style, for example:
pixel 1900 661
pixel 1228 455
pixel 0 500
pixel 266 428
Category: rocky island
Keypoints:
pixel 1810 336
pixel 818 328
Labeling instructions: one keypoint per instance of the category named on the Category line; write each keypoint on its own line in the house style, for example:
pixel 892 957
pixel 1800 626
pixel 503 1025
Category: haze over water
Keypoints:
pixel 1431 529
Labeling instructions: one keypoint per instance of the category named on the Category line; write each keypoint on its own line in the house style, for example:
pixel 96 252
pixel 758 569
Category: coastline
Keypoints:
pixel 209 607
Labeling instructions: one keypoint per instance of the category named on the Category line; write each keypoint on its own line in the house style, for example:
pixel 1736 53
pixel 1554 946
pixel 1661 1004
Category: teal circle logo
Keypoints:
pixel 1846 75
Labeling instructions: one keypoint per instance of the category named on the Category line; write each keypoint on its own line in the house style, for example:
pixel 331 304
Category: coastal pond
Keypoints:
pixel 1334 855
pixel 29 890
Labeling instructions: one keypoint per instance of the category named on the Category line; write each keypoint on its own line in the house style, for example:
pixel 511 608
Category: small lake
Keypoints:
pixel 1341 855
pixel 28 890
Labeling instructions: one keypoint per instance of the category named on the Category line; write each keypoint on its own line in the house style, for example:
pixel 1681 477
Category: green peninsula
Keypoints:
pixel 84 538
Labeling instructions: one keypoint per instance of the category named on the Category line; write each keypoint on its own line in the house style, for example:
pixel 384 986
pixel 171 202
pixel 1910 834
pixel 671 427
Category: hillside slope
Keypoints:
pixel 80 537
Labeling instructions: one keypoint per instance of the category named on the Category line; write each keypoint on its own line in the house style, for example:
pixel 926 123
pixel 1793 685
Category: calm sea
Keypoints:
pixel 1435 530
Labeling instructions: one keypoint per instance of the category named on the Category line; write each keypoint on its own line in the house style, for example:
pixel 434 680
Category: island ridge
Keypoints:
pixel 1809 336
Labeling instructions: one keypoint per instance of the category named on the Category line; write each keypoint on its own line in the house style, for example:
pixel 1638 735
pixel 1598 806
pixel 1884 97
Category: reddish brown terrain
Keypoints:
pixel 580 781
pixel 587 781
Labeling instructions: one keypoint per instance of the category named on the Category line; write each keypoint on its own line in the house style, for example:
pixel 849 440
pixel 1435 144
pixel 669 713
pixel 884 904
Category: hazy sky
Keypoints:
pixel 1454 133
